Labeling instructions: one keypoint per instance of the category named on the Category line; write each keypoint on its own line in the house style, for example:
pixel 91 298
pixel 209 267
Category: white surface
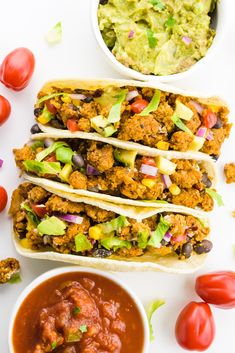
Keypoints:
pixel 24 23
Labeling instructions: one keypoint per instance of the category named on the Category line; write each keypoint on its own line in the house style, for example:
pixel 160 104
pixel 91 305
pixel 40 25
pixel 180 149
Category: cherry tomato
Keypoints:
pixel 5 110
pixel 72 125
pixel 195 327
pixel 52 109
pixel 149 161
pixel 3 198
pixel 40 210
pixel 217 288
pixel 139 105
pixel 209 118
pixel 17 68
pixel 51 158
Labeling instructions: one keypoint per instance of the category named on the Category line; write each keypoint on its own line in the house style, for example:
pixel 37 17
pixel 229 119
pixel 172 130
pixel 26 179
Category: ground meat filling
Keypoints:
pixel 102 168
pixel 103 232
pixel 229 171
pixel 151 130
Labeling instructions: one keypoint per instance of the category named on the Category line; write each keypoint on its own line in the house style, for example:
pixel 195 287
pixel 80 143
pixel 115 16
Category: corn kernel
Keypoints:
pixel 25 243
pixel 174 189
pixel 162 145
pixel 44 119
pixel 95 232
pixel 66 99
pixel 148 182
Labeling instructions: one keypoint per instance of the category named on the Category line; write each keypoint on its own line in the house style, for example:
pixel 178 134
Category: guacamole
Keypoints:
pixel 160 37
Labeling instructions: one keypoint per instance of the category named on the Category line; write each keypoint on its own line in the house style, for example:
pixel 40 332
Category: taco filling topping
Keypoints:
pixel 102 168
pixel 45 221
pixel 151 117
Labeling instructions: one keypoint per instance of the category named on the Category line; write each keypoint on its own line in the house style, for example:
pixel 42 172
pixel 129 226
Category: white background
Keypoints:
pixel 24 23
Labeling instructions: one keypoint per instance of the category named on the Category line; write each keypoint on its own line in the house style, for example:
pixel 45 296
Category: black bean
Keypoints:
pixel 78 161
pixel 215 156
pixel 48 142
pixel 55 123
pixel 37 112
pixel 187 250
pixel 203 247
pixel 206 181
pixel 102 253
pixel 88 99
pixel 98 93
pixel 103 2
pixel 35 129
pixel 218 124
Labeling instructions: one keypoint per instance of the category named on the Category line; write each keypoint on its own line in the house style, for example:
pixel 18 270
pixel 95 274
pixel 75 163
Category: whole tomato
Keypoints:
pixel 217 288
pixel 5 110
pixel 3 198
pixel 195 327
pixel 17 69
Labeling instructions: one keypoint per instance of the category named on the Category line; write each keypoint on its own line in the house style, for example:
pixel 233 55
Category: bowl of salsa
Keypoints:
pixel 74 310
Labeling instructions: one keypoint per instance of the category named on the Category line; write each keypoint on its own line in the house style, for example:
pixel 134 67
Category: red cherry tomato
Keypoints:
pixel 195 327
pixel 72 125
pixel 17 68
pixel 52 109
pixel 217 288
pixel 149 161
pixel 40 210
pixel 3 198
pixel 51 158
pixel 139 105
pixel 209 118
pixel 5 110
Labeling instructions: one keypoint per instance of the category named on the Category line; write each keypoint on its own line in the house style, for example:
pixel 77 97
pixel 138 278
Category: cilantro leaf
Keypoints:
pixel 76 310
pixel 83 328
pixel 170 22
pixel 151 39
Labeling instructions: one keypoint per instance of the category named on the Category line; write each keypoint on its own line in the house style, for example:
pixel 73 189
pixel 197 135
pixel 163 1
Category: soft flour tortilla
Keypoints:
pixel 169 263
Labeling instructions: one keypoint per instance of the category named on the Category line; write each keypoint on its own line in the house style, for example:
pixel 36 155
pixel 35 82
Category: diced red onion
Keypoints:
pixel 167 237
pixel 91 170
pixel 148 169
pixel 186 40
pixel 210 136
pixel 131 34
pixel 80 97
pixel 71 218
pixel 197 106
pixel 201 132
pixel 131 95
pixel 1 163
pixel 166 180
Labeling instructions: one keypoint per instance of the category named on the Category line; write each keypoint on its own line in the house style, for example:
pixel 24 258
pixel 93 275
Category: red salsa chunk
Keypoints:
pixel 78 313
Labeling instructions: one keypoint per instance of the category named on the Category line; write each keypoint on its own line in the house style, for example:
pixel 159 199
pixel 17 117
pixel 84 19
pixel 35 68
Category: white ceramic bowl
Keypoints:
pixel 61 270
pixel 219 24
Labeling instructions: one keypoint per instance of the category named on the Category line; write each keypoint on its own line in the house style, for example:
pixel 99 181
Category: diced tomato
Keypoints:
pixel 52 109
pixel 139 105
pixel 72 125
pixel 149 161
pixel 40 210
pixel 209 118
pixel 178 239
pixel 51 158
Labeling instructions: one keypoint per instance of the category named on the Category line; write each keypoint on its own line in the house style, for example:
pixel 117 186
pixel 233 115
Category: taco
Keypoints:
pixel 50 224
pixel 101 170
pixel 159 116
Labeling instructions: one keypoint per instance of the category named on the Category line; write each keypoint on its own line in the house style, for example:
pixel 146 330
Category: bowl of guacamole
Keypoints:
pixel 164 39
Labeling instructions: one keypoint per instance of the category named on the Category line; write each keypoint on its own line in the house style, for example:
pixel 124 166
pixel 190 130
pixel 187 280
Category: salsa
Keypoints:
pixel 78 312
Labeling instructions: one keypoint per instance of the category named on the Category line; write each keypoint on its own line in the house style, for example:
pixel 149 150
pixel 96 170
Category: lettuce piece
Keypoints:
pixel 50 96
pixel 159 233
pixel 54 36
pixel 143 239
pixel 43 154
pixel 153 104
pixel 42 168
pixel 37 144
pixel 215 196
pixel 115 112
pixel 51 226
pixel 179 123
pixel 150 311
pixel 64 155
pixel 32 217
pixel 115 243
pixel 82 243
pixel 114 225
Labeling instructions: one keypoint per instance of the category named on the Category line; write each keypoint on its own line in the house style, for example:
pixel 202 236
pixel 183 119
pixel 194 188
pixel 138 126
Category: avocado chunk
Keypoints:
pixel 98 123
pixel 197 143
pixel 165 166
pixel 183 111
pixel 65 173
pixel 125 157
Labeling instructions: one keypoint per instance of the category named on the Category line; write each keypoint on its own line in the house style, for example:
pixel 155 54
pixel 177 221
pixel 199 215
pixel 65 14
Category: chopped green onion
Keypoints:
pixel 159 233
pixel 215 196
pixel 179 123
pixel 54 345
pixel 50 96
pixel 170 22
pixel 83 328
pixel 153 104
pixel 76 310
pixel 151 39
pixel 115 111
pixel 54 36
pixel 150 311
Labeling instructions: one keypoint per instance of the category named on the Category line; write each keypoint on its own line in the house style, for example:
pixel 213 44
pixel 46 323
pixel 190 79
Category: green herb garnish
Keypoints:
pixel 76 310
pixel 170 22
pixel 150 311
pixel 151 39
pixel 153 104
pixel 215 196
pixel 83 328
pixel 54 345
pixel 159 233
pixel 179 123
